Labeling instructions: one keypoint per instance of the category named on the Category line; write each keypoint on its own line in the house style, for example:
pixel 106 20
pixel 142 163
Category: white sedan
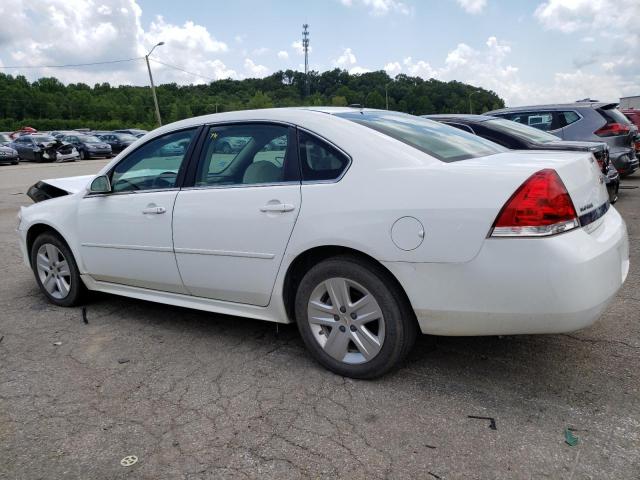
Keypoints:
pixel 362 226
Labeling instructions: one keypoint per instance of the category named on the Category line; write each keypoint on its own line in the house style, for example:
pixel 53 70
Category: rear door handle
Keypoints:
pixel 277 207
pixel 154 210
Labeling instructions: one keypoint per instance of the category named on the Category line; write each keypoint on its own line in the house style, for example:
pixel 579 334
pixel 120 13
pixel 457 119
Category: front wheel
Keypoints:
pixel 82 155
pixel 56 270
pixel 353 318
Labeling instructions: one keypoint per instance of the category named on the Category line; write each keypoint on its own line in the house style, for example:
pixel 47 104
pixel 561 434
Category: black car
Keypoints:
pixel 516 136
pixel 136 132
pixel 8 155
pixel 89 146
pixel 117 141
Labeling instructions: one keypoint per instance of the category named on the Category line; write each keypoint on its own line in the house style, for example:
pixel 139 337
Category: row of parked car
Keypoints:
pixel 64 145
pixel 609 134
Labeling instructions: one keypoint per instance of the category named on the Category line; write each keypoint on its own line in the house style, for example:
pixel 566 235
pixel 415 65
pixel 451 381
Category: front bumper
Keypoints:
pixel 521 286
pixel 97 153
pixel 8 158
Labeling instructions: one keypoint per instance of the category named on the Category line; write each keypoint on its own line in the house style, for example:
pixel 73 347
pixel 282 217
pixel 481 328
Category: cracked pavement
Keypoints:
pixel 201 396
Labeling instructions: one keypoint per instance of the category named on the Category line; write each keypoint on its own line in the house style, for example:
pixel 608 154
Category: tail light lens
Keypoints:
pixel 612 130
pixel 540 206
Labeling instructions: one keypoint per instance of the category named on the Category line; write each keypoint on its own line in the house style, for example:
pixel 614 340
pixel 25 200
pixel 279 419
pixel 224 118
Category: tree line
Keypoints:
pixel 48 104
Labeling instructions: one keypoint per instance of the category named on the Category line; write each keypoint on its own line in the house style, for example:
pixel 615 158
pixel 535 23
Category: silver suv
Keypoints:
pixel 586 121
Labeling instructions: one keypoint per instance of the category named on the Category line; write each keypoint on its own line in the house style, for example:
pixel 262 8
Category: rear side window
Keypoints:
pixel 319 160
pixel 441 141
pixel 540 120
pixel 567 118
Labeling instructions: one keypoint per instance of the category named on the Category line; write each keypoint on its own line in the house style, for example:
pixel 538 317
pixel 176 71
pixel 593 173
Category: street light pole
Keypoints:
pixel 386 93
pixel 153 87
pixel 470 105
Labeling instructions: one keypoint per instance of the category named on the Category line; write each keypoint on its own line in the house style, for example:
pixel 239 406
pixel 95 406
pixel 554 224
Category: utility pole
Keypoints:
pixel 153 87
pixel 305 46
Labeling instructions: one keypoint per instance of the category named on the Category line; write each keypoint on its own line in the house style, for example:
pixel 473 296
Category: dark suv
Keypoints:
pixel 516 136
pixel 585 121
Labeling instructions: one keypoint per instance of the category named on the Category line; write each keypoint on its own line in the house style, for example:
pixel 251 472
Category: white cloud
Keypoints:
pixel 297 47
pixel 77 31
pixel 283 55
pixel 393 68
pixel 610 18
pixel 260 51
pixel 380 7
pixel 346 59
pixel 472 6
pixel 419 69
pixel 358 70
pixel 254 70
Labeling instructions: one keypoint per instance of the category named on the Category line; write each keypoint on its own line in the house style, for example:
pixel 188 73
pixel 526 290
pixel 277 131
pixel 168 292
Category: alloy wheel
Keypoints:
pixel 53 271
pixel 346 320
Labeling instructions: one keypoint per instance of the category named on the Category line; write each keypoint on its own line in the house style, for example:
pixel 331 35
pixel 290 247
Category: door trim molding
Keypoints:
pixel 147 248
pixel 225 253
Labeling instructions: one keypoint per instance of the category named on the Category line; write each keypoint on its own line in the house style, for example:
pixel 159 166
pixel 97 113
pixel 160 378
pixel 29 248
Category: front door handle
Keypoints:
pixel 154 210
pixel 277 207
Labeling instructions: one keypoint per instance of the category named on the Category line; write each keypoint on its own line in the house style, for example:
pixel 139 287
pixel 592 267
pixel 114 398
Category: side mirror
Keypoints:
pixel 100 184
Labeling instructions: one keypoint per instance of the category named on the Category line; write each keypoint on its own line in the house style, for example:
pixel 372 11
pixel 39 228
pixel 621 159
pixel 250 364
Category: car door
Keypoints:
pixel 232 226
pixel 125 235
pixel 21 146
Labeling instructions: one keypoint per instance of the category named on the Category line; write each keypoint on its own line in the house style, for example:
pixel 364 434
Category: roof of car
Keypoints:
pixel 460 116
pixel 554 106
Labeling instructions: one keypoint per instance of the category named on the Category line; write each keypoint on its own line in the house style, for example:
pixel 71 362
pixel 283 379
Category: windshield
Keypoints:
pixel 522 131
pixel 43 138
pixel 89 139
pixel 443 142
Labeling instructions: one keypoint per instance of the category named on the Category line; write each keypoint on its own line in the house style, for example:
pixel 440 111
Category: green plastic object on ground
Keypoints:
pixel 570 438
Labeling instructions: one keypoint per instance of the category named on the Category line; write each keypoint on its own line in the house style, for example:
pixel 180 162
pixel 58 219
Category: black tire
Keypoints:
pixel 83 156
pixel 77 289
pixel 15 162
pixel 399 319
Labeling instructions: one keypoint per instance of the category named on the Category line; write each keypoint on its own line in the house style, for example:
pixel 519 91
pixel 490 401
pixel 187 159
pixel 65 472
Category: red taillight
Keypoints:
pixel 612 130
pixel 540 206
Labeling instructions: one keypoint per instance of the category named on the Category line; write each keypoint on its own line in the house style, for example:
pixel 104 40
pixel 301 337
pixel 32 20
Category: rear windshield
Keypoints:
pixel 443 142
pixel 613 115
pixel 521 130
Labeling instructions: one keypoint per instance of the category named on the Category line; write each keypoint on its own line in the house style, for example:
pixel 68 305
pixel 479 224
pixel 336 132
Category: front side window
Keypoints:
pixel 441 141
pixel 247 154
pixel 154 165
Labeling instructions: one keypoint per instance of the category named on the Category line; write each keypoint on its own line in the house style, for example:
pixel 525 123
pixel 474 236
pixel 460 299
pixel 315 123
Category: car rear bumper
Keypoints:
pixel 521 286
pixel 626 161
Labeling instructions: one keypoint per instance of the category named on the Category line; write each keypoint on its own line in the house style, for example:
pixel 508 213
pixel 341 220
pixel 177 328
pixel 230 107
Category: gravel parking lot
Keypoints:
pixel 201 396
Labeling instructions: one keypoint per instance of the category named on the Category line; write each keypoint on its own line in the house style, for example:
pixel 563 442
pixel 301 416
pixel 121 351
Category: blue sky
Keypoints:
pixel 528 51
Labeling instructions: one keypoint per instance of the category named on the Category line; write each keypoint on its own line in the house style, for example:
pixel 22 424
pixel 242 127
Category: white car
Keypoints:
pixel 368 227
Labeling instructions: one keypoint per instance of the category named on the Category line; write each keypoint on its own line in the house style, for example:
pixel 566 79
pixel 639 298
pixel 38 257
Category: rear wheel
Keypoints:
pixel 56 270
pixel 353 319
pixel 82 155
